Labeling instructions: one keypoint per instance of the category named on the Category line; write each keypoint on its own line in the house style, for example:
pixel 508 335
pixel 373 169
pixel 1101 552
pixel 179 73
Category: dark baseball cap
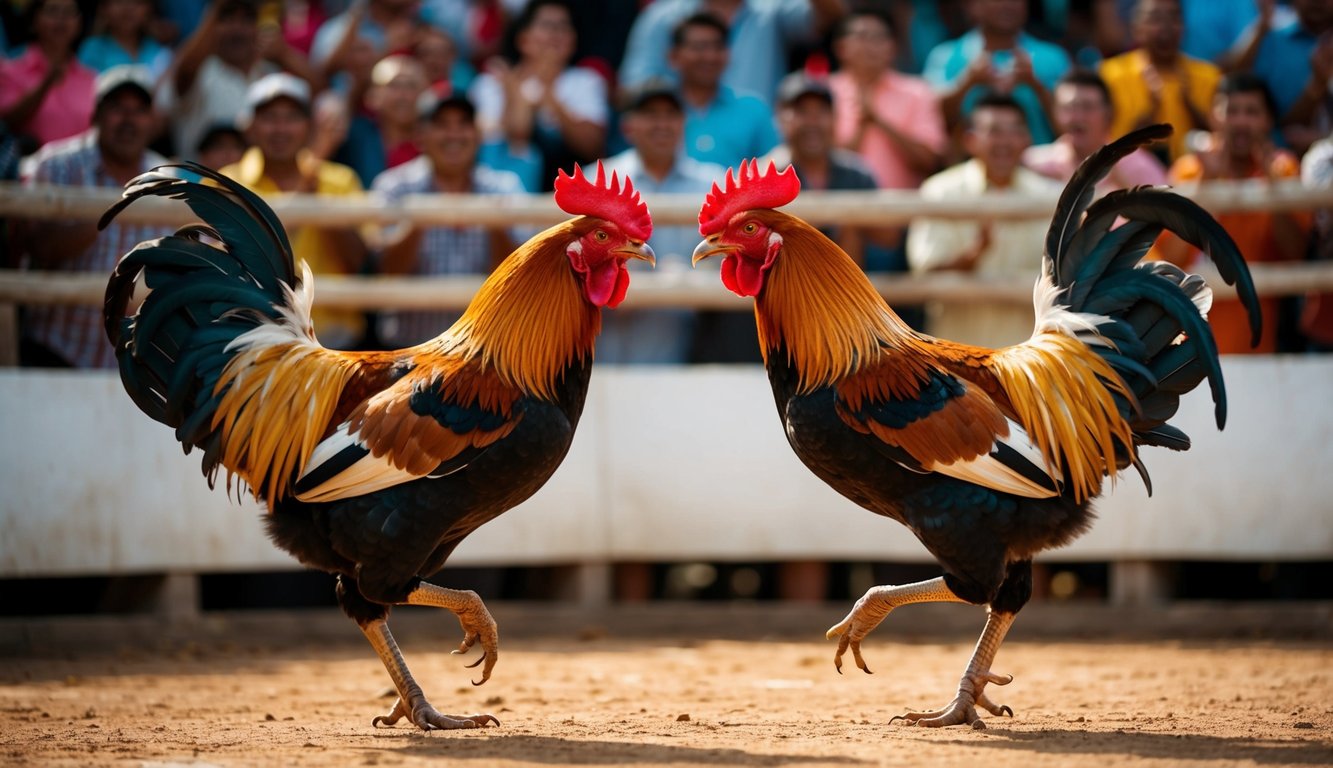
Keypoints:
pixel 431 103
pixel 798 85
pixel 640 97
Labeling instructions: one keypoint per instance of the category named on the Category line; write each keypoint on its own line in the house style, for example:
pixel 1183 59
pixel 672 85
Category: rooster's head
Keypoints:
pixel 614 227
pixel 737 221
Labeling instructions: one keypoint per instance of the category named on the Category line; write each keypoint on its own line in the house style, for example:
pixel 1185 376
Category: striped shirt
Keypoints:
pixel 443 250
pixel 76 332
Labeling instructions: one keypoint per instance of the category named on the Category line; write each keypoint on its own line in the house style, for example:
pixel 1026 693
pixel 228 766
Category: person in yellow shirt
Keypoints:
pixel 278 122
pixel 1156 82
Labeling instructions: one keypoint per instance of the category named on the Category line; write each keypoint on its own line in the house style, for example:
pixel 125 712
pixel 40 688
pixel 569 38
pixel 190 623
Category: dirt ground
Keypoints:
pixel 599 698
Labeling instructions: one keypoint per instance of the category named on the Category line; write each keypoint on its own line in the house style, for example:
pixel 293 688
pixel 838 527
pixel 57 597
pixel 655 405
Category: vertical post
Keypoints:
pixel 1141 582
pixel 587 585
pixel 9 335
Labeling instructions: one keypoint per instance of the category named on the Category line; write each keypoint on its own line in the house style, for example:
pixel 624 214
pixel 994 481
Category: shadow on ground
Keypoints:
pixel 560 751
pixel 1157 745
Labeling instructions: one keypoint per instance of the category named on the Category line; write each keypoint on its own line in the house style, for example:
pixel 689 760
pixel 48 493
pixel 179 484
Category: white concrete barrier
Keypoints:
pixel 669 464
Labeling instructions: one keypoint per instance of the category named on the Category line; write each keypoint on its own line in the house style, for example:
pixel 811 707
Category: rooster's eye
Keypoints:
pixel 601 236
pixel 750 228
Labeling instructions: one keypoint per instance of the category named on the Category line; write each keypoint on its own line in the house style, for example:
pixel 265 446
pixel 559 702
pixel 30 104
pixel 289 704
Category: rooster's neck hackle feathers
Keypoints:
pixel 530 319
pixel 819 305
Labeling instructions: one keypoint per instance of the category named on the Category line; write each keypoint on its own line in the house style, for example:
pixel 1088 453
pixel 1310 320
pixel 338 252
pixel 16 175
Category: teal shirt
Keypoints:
pixel 733 128
pixel 948 60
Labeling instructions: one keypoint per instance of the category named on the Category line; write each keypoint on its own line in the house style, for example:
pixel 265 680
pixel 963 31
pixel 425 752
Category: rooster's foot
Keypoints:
pixel 480 628
pixel 873 607
pixel 963 709
pixel 425 717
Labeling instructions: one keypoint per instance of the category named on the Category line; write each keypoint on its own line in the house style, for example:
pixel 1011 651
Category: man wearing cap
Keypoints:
pixel 215 67
pixel 654 126
pixel 805 118
pixel 448 138
pixel 109 154
pixel 277 122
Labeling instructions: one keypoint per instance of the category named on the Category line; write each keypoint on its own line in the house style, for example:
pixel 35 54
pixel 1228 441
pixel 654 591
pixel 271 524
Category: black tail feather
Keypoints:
pixel 1162 344
pixel 173 350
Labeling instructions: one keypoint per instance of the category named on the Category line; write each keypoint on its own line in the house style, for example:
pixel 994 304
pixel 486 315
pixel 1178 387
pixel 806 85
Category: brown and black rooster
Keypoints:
pixel 989 456
pixel 373 465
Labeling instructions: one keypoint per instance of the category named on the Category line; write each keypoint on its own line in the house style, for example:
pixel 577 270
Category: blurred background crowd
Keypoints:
pixel 954 98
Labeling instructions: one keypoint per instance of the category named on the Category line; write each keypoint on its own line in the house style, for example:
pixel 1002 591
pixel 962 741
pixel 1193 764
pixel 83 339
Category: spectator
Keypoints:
pixel 278 123
pixel 221 145
pixel 721 126
pixel 438 54
pixel 539 99
pixel 1156 82
pixel 996 138
pixel 891 119
pixel 805 115
pixel 121 36
pixel 654 125
pixel 1295 60
pixel 998 56
pixel 765 30
pixel 364 33
pixel 109 154
pixel 448 138
pixel 1083 116
pixel 1240 146
pixel 215 68
pixel 381 136
pixel 46 93
pixel 1316 322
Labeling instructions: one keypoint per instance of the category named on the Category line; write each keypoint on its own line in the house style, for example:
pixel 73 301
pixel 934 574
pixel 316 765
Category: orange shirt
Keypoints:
pixel 1254 236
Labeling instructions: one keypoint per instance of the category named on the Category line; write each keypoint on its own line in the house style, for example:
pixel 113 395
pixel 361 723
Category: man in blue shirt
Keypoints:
pixel 764 29
pixel 722 126
pixel 998 56
pixel 654 125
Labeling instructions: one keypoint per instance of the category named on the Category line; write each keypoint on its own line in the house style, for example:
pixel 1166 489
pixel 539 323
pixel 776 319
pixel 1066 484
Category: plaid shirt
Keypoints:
pixel 444 250
pixel 76 333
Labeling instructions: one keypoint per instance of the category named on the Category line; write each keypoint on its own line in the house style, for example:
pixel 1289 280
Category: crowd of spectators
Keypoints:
pixel 394 97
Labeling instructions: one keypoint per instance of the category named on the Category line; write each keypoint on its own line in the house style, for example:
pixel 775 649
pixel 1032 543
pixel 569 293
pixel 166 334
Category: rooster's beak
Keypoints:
pixel 706 248
pixel 641 251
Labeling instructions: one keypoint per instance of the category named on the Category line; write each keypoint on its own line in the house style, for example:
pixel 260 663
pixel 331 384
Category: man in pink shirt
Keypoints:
pixel 892 120
pixel 1083 116
pixel 45 93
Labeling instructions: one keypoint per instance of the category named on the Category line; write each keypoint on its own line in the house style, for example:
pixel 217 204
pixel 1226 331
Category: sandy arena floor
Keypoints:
pixel 611 700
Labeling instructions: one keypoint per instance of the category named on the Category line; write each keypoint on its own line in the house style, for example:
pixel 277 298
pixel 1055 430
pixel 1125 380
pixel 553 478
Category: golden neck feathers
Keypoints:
pixel 530 319
pixel 818 305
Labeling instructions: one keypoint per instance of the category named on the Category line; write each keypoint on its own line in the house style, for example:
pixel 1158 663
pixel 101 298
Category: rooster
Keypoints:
pixel 372 465
pixel 988 456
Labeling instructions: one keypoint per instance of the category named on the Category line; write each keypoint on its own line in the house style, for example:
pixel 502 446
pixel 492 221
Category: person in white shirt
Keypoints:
pixel 997 135
pixel 539 99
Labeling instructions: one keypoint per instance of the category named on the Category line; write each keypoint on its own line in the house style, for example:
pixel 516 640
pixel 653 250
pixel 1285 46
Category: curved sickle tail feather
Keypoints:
pixel 1148 320
pixel 172 352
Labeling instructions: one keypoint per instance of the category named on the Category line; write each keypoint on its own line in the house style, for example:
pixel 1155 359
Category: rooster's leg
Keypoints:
pixel 971 689
pixel 875 605
pixel 412 703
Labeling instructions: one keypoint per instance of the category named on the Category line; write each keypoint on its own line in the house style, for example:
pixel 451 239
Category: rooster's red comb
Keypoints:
pixel 746 191
pixel 578 196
